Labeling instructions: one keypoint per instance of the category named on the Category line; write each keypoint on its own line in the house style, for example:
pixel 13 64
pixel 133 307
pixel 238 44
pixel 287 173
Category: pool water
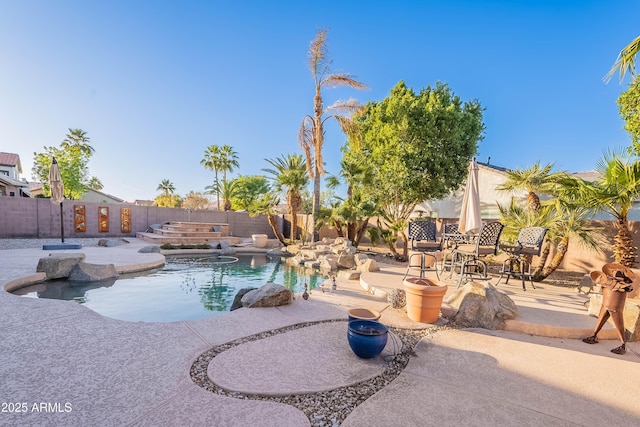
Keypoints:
pixel 186 288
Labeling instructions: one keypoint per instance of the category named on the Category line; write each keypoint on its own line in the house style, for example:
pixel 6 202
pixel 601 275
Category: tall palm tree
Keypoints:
pixel 228 160
pixel 211 161
pixel 77 138
pixel 289 174
pixel 166 187
pixel 614 193
pixel 534 180
pixel 626 61
pixel 311 133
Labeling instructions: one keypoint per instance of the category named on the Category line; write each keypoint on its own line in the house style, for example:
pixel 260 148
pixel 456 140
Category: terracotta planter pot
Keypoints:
pixel 424 299
pixel 259 240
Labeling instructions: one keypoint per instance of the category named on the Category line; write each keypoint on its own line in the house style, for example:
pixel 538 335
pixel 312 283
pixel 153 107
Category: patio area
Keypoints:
pixel 71 366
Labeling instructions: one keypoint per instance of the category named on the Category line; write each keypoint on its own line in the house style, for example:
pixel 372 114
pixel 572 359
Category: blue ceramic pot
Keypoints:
pixel 367 338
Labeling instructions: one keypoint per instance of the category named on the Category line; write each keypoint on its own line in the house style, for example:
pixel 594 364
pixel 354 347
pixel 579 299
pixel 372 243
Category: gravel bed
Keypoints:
pixel 329 408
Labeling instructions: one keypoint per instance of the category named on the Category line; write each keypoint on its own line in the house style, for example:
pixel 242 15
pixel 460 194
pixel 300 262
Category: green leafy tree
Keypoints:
pixel 73 156
pixel 419 147
pixel 311 133
pixel 629 108
pixel 248 190
pixel 168 201
pixel 195 201
pixel 289 175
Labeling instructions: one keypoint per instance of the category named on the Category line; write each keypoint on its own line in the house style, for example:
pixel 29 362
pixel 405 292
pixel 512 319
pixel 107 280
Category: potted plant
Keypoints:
pixel 424 299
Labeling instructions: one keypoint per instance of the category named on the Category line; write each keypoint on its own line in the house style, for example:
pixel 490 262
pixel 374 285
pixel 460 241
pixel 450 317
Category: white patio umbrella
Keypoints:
pixel 57 190
pixel 470 219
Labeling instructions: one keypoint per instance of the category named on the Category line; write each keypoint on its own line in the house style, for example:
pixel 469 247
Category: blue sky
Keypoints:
pixel 153 83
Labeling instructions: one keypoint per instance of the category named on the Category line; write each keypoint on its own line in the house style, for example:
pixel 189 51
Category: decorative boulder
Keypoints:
pixel 349 275
pixel 149 249
pixel 369 265
pixel 328 262
pixel 237 300
pixel 58 266
pixel 85 272
pixel 345 260
pixel 360 258
pixel 269 295
pixel 397 298
pixel 480 306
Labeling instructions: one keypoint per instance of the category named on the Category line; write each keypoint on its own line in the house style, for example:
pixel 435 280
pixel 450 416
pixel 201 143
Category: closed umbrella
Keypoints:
pixel 470 218
pixel 57 190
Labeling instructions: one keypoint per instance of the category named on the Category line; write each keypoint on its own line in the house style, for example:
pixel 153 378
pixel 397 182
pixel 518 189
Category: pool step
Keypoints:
pixel 189 233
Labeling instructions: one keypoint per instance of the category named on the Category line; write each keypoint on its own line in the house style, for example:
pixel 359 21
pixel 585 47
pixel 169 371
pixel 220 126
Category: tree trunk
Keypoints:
pixel 544 255
pixel 361 231
pixel 623 250
pixel 274 226
pixel 561 251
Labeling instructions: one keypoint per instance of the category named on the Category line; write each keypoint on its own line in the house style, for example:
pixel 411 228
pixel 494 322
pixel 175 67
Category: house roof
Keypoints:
pixel 15 183
pixel 10 159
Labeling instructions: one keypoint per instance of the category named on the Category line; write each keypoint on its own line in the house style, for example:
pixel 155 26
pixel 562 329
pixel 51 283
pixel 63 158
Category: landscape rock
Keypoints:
pixel 269 295
pixel 237 300
pixel 480 306
pixel 149 249
pixel 85 272
pixel 369 265
pixel 360 259
pixel 345 260
pixel 228 251
pixel 349 274
pixel 224 244
pixel 58 266
pixel 328 262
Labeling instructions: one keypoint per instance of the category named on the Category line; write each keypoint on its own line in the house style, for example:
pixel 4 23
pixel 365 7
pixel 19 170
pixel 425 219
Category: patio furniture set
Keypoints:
pixel 465 254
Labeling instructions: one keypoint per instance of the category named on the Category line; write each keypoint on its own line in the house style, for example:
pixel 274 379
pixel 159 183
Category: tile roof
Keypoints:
pixel 10 159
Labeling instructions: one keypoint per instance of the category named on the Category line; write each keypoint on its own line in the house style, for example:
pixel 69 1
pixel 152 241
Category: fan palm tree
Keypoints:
pixel 211 161
pixel 228 160
pixel 95 183
pixel 614 193
pixel 227 189
pixel 311 133
pixel 267 206
pixel 534 180
pixel 626 61
pixel 289 174
pixel 166 187
pixel 77 138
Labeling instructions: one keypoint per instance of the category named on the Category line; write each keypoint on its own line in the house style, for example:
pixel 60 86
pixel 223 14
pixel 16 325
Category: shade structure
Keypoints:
pixel 55 183
pixel 470 218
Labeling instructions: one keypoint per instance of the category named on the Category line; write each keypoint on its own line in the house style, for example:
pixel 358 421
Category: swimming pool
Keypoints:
pixel 186 288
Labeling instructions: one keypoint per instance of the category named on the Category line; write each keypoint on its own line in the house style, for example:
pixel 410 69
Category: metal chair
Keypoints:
pixel 451 238
pixel 422 234
pixel 528 245
pixel 469 257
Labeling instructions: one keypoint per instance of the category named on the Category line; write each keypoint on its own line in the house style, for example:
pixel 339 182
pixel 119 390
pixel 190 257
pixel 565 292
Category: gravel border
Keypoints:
pixel 328 408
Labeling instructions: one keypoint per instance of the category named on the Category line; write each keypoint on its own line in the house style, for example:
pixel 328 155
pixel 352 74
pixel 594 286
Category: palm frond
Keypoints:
pixel 318 54
pixel 342 79
pixel 626 61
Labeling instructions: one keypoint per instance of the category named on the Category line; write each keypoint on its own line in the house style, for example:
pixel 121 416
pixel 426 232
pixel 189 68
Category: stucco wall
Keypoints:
pixel 39 218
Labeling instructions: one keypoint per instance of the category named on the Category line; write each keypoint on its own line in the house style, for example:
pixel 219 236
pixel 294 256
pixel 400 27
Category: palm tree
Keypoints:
pixel 626 61
pixel 227 189
pixel 534 180
pixel 95 183
pixel 614 193
pixel 211 161
pixel 289 174
pixel 166 187
pixel 77 138
pixel 311 133
pixel 267 206
pixel 228 160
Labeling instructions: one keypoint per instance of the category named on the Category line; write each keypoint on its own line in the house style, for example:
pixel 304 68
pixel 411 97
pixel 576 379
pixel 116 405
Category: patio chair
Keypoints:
pixel 422 234
pixel 469 257
pixel 451 238
pixel 528 245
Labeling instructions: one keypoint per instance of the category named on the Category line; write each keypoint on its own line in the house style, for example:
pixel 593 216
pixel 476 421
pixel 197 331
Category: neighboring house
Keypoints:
pixel 140 202
pixel 95 196
pixel 489 178
pixel 10 183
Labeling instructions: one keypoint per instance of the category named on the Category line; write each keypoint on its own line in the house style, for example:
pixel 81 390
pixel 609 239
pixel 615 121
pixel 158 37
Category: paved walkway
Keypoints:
pixel 71 366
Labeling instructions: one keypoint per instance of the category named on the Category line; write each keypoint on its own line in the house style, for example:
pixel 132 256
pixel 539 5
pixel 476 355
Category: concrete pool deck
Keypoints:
pixel 71 366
